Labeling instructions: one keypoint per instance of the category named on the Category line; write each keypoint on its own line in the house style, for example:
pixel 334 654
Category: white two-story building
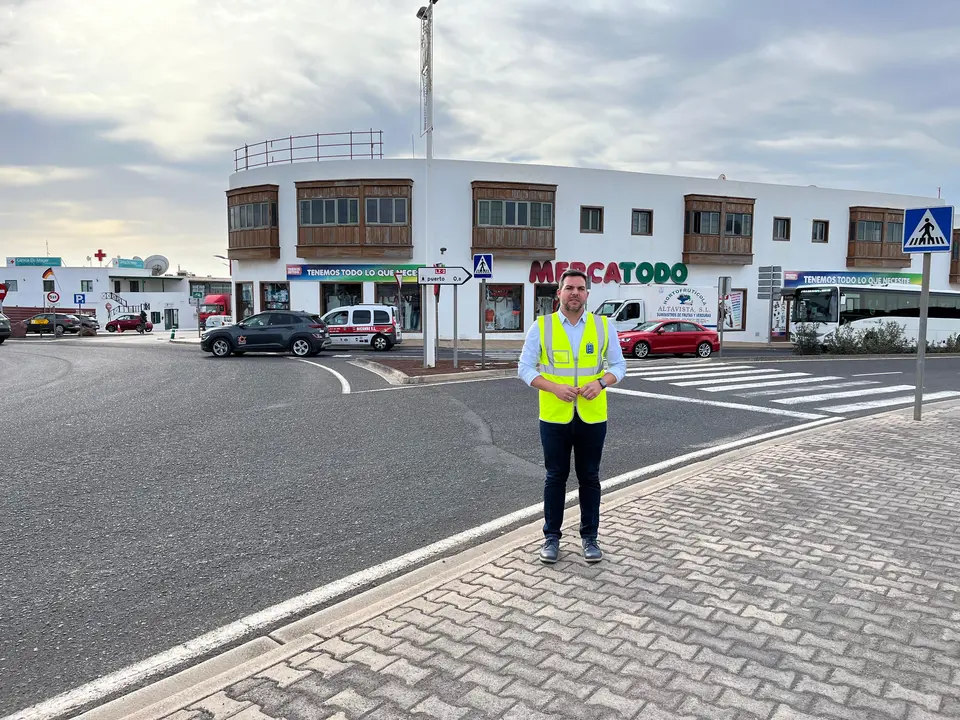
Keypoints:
pixel 34 284
pixel 313 234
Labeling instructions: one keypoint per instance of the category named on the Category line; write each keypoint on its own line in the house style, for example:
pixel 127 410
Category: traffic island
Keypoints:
pixel 407 371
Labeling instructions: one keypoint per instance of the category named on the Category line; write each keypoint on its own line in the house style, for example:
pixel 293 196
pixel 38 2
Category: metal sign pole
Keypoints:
pixel 922 337
pixel 455 345
pixel 770 321
pixel 483 324
pixel 423 321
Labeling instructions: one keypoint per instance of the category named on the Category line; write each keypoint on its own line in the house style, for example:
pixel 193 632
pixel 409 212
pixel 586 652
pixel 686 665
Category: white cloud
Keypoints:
pixel 21 175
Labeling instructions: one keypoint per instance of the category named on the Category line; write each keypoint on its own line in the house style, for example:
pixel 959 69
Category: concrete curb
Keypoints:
pixel 187 687
pixel 398 377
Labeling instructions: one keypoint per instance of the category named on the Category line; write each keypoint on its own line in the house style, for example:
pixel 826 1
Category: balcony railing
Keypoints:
pixel 355 144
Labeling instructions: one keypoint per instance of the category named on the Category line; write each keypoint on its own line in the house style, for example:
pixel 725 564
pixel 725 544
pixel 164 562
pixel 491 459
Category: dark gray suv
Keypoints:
pixel 5 329
pixel 294 331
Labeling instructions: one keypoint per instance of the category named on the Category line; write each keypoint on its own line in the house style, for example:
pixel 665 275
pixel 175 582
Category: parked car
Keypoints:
pixel 45 323
pixel 215 321
pixel 87 321
pixel 376 326
pixel 298 332
pixel 5 329
pixel 678 337
pixel 127 321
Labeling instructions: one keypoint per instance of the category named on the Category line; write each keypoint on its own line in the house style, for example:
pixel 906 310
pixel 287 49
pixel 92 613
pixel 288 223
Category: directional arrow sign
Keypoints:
pixel 443 275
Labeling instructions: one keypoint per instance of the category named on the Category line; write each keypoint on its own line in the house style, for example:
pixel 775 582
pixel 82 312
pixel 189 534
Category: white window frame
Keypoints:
pixel 820 237
pixel 397 202
pixel 242 217
pixel 635 216
pixel 593 212
pixel 746 224
pixel 353 208
pixel 519 208
pixel 784 223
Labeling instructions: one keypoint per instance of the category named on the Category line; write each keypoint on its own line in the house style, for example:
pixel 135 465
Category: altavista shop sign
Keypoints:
pixel 624 272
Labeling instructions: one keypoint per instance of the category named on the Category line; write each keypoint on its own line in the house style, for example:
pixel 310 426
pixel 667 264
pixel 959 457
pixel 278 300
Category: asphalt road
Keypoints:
pixel 151 493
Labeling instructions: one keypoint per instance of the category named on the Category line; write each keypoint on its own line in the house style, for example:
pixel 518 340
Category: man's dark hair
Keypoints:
pixel 572 272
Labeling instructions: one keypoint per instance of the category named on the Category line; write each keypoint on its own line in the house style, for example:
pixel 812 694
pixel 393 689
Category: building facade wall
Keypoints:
pixel 443 214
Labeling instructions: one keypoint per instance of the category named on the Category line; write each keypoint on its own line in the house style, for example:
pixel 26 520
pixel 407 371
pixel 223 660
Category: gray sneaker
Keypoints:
pixel 591 551
pixel 550 550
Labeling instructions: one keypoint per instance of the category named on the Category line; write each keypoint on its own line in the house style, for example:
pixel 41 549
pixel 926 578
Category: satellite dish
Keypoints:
pixel 722 177
pixel 158 264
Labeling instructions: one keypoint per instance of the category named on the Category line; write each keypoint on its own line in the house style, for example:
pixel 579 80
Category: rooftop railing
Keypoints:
pixel 355 144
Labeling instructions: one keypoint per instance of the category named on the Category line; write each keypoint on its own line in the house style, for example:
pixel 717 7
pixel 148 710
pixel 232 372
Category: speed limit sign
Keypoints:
pixel 53 297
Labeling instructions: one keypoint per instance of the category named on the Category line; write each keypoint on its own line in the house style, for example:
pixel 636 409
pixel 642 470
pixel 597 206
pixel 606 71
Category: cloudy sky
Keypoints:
pixel 118 118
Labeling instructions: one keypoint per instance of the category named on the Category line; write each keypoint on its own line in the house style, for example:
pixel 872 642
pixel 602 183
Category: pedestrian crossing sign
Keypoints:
pixel 483 266
pixel 928 229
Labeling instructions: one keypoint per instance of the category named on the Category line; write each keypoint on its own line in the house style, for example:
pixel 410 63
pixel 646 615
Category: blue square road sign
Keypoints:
pixel 483 266
pixel 79 299
pixel 928 229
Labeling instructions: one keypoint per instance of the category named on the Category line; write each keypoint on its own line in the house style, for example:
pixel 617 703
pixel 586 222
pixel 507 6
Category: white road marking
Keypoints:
pixel 343 381
pixel 902 400
pixel 685 370
pixel 414 386
pixel 772 383
pixel 748 378
pixel 787 391
pixel 717 403
pixel 171 659
pixel 845 394
pixel 651 366
pixel 731 374
pixel 897 372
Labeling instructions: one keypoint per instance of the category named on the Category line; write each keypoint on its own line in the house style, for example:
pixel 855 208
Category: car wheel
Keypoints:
pixel 380 343
pixel 641 349
pixel 221 348
pixel 111 328
pixel 704 350
pixel 1 340
pixel 58 330
pixel 301 347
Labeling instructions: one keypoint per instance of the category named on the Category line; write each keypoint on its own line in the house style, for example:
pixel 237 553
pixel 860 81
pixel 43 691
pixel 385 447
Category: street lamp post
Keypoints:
pixel 425 14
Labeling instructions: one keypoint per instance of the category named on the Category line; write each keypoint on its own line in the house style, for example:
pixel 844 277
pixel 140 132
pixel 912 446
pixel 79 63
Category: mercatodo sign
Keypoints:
pixel 623 272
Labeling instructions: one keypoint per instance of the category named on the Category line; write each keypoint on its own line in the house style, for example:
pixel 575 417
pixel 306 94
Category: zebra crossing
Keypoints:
pixel 784 388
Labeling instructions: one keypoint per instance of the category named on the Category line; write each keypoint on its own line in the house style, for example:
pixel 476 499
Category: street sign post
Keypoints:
pixel 455 276
pixel 196 295
pixel 926 230
pixel 724 285
pixel 769 284
pixel 3 294
pixel 79 299
pixel 483 270
pixel 53 298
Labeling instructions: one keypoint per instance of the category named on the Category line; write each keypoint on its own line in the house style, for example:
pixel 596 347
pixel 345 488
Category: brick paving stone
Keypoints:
pixel 810 580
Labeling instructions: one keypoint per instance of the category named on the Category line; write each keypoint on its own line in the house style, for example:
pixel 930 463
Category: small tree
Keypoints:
pixel 888 339
pixel 845 340
pixel 805 339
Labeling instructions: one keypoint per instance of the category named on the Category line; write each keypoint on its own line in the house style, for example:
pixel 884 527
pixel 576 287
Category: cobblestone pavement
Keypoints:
pixel 819 578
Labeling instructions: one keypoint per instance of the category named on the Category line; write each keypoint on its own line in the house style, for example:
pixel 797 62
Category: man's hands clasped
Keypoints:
pixel 569 394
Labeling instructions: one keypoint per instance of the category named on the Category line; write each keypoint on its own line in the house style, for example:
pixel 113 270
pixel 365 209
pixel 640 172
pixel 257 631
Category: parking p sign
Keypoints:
pixel 79 299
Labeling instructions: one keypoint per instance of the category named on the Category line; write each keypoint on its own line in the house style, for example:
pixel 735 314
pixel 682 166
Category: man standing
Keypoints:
pixel 563 357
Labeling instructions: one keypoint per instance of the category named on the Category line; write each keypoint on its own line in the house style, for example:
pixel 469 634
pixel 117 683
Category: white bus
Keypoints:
pixel 829 306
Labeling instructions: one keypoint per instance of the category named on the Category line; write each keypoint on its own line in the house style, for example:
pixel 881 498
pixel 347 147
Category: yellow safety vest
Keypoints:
pixel 559 364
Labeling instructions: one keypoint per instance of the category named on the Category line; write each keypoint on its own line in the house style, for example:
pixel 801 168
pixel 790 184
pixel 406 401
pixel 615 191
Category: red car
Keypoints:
pixel 129 321
pixel 677 337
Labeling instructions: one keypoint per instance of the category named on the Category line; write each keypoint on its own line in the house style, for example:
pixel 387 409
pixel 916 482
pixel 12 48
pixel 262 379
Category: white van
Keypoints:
pixel 376 326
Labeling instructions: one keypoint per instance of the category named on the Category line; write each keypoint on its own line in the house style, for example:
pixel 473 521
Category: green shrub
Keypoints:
pixel 887 339
pixel 805 341
pixel 845 340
